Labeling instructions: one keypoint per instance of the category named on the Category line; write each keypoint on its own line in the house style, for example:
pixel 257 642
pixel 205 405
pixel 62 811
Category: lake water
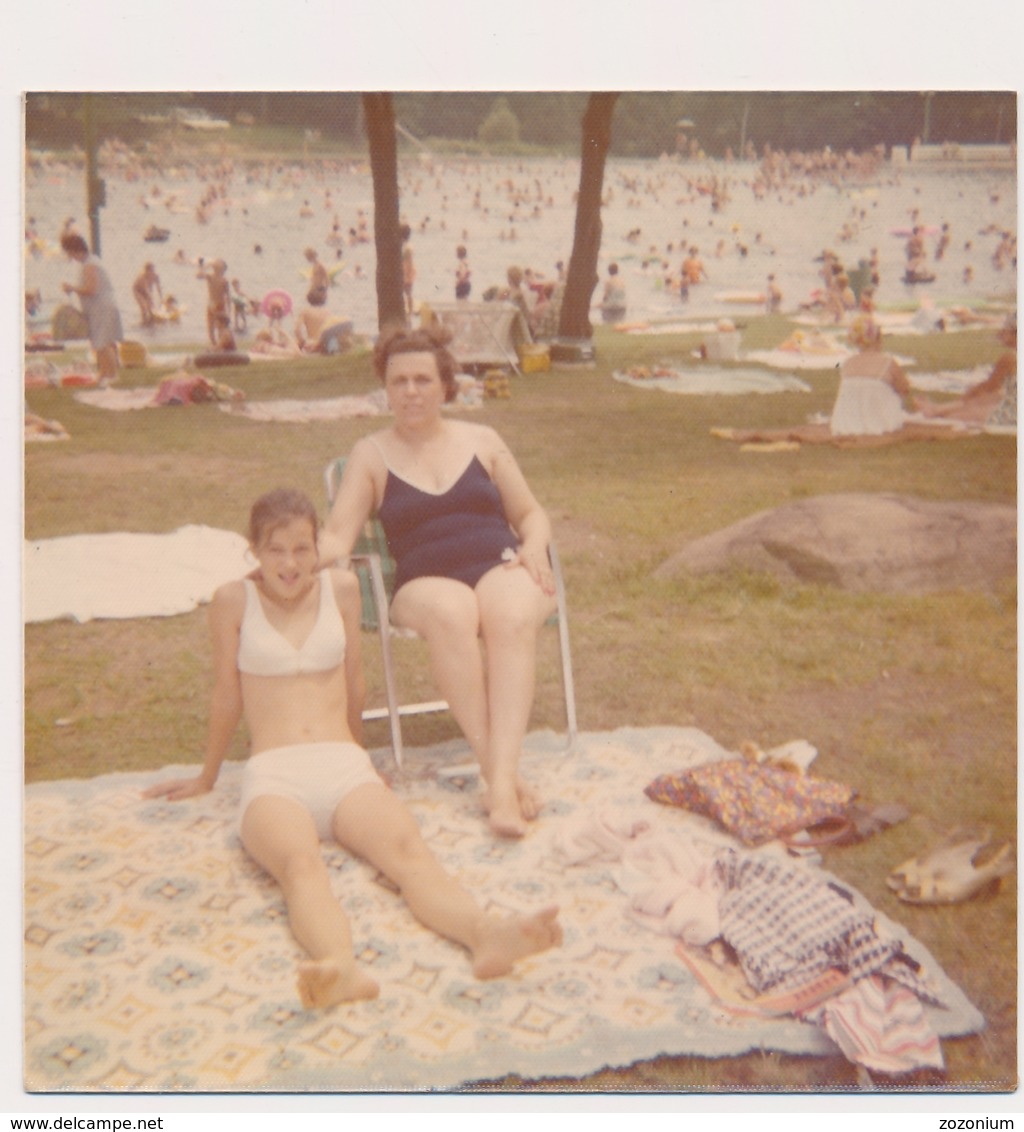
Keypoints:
pixel 265 219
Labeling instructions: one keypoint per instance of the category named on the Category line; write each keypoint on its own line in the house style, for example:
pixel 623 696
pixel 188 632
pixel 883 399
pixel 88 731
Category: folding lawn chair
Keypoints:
pixel 376 571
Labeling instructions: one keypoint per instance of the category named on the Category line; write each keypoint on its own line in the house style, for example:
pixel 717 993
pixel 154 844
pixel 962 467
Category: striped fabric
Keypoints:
pixel 881 1025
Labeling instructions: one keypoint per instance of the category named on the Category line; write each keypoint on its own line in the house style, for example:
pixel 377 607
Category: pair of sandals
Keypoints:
pixel 962 865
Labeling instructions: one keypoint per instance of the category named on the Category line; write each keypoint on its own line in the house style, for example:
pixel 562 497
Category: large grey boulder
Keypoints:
pixel 866 542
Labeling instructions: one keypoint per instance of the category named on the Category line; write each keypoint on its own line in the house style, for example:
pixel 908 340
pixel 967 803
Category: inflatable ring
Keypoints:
pixel 73 380
pixel 221 358
pixel 276 304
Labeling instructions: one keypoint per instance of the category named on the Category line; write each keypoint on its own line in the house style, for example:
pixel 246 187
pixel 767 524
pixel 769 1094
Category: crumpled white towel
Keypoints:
pixel 296 411
pixel 672 887
pixel 123 575
pixel 705 380
pixel 669 878
pixel 600 836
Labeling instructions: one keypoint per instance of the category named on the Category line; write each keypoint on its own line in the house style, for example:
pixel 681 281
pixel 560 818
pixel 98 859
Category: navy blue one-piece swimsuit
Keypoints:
pixel 461 533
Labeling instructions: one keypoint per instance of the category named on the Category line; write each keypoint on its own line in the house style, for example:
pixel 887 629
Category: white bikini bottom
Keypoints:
pixel 317 775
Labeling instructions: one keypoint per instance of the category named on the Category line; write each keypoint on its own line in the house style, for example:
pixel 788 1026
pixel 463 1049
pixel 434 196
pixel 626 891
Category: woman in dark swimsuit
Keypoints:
pixel 470 542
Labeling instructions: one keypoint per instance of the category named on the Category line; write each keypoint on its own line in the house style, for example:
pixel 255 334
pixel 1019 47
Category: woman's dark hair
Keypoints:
pixel 317 297
pixel 275 509
pixel 420 340
pixel 73 244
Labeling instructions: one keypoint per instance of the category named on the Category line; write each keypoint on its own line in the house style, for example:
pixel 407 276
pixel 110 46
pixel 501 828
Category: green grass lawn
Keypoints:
pixel 907 698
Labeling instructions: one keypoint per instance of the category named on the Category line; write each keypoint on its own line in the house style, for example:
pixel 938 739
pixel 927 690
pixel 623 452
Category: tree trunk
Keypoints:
pixel 574 321
pixel 380 132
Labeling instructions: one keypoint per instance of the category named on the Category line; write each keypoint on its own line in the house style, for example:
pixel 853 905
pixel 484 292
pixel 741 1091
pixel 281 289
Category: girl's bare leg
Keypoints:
pixel 279 834
pixel 373 824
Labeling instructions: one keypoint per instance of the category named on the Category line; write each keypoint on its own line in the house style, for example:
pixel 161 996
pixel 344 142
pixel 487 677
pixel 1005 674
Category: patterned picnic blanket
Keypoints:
pixel 158 958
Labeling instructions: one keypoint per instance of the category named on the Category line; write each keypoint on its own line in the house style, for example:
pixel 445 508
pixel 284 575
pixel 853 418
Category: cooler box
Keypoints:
pixel 534 357
pixel 131 354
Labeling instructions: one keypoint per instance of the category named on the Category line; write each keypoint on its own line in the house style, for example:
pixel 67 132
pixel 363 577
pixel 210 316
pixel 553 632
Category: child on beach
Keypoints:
pixel 146 283
pixel 320 278
pixel 218 298
pixel 287 659
pixel 408 269
pixel 613 301
pixel 462 274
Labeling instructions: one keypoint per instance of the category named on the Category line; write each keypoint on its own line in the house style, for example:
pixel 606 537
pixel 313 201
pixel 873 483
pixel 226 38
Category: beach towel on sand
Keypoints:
pixel 129 575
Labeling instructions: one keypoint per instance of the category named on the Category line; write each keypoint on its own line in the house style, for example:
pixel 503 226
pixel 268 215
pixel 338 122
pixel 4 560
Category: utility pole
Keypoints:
pixel 743 129
pixel 95 187
pixel 926 132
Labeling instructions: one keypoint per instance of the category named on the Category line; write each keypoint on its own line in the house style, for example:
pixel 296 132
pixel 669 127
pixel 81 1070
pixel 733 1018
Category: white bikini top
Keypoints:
pixel 264 651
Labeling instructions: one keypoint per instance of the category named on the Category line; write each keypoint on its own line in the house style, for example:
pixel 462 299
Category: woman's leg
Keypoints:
pixel 445 614
pixel 373 824
pixel 279 834
pixel 491 705
pixel 106 363
pixel 512 610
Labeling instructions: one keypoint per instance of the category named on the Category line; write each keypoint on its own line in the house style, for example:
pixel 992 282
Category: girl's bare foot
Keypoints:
pixel 326 982
pixel 504 942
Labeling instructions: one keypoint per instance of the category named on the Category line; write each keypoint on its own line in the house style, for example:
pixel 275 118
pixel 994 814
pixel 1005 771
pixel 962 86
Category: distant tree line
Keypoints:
pixel 644 123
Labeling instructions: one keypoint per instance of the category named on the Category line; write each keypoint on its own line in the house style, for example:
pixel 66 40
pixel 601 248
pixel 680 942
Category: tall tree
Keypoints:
pixel 574 321
pixel 380 133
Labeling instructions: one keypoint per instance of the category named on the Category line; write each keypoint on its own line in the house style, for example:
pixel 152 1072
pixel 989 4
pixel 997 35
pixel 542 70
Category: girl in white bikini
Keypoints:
pixel 286 656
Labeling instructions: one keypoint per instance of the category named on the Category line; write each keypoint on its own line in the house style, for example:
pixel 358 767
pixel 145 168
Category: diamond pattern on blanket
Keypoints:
pixel 158 955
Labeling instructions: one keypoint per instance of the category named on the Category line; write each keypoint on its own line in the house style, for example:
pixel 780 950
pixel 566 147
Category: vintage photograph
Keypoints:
pixel 519 591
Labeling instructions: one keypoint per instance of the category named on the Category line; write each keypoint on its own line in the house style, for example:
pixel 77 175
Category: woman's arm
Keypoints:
pixel 898 380
pixel 88 282
pixel 346 592
pixel 1004 366
pixel 353 504
pixel 525 515
pixel 225 619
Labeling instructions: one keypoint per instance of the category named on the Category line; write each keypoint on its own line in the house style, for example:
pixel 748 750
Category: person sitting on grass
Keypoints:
pixel 312 324
pixel 992 401
pixel 286 650
pixel 874 392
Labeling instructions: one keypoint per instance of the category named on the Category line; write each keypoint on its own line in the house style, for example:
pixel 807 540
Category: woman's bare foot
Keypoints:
pixel 504 942
pixel 326 982
pixel 530 802
pixel 504 814
pixel 509 811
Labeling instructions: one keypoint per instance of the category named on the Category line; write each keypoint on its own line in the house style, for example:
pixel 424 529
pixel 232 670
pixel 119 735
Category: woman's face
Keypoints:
pixel 414 387
pixel 288 558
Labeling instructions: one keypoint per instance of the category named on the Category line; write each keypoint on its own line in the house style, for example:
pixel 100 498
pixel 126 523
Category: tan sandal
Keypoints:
pixel 950 872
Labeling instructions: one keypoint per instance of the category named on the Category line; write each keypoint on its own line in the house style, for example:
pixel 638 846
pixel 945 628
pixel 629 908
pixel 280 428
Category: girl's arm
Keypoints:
pixel 346 592
pixel 225 618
